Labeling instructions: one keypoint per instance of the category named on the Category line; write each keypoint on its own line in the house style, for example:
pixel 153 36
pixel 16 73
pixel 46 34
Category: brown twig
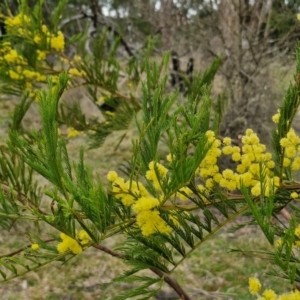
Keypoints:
pixel 167 279
pixel 172 283
pixel 110 252
pixel 22 249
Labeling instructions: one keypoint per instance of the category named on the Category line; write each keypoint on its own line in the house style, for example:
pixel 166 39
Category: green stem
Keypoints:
pixel 169 280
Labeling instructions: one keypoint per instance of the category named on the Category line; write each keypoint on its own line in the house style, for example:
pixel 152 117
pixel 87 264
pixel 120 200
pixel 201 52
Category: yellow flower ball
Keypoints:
pixel 217 177
pixel 294 195
pixel 236 149
pixel 145 204
pixel 297 231
pixel 269 295
pixel 290 151
pixel 227 174
pixel 296 164
pixel 275 118
pixel 249 131
pixel 254 285
pixel 270 164
pixel 35 246
pixel 286 162
pixel 209 183
pixel 284 142
pixel 227 150
pixel 256 190
pixel 227 141
pixel 254 139
pixel 210 134
pixel 241 168
pixel 83 237
pixel 236 156
pixel 112 176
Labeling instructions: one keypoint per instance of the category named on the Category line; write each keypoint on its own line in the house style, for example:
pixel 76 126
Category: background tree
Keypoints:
pixel 248 35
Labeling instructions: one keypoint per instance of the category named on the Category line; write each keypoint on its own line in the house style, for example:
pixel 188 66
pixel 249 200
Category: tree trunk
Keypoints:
pixel 166 24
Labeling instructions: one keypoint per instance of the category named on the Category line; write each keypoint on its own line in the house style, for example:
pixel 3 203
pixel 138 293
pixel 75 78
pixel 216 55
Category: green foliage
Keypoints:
pixel 168 206
pixel 32 50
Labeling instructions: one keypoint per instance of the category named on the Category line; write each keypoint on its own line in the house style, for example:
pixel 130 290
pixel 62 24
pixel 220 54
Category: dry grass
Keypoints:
pixel 212 272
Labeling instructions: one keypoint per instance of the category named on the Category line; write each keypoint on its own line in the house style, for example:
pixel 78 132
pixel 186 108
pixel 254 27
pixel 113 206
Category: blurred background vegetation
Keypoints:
pixel 256 40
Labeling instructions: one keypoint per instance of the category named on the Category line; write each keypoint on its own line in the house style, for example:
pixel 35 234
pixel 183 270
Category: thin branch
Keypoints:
pixel 72 19
pixel 172 283
pixel 102 21
pixel 22 249
pixel 167 279
pixel 110 252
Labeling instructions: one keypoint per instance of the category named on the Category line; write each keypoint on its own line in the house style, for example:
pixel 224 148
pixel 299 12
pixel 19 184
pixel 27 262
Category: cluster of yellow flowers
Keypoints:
pixel 254 170
pixel 20 73
pixel 76 72
pixel 279 242
pixel 276 117
pixel 76 246
pixel 21 25
pixel 72 132
pixel 255 166
pixel 27 74
pixel 291 146
pixel 11 55
pixel 134 194
pixel 268 294
pixel 16 22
